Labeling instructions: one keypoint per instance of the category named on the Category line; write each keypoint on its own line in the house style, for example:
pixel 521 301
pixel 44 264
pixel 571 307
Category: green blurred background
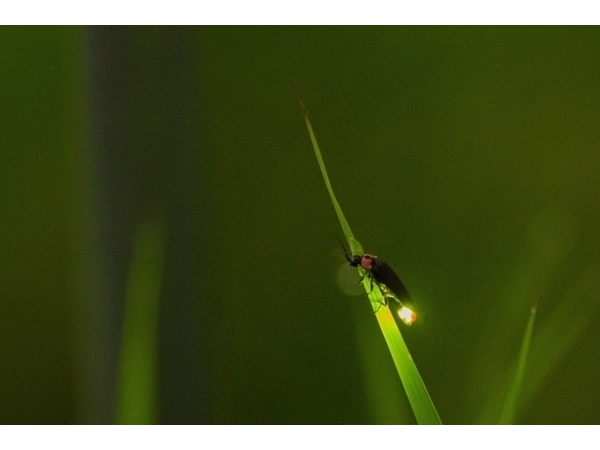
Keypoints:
pixel 168 248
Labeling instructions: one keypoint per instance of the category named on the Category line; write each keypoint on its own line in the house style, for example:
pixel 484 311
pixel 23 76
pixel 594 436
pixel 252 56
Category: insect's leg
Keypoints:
pixel 382 303
pixel 386 294
pixel 382 289
pixel 378 308
pixel 371 281
pixel 370 278
pixel 362 278
pixel 384 300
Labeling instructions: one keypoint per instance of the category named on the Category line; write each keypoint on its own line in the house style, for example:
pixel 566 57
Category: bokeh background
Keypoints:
pixel 169 252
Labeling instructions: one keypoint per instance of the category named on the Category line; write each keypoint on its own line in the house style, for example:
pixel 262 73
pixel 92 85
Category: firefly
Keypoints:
pixel 386 280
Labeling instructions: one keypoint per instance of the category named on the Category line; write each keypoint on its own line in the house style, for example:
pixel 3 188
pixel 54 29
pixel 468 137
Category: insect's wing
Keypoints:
pixel 383 274
pixel 386 275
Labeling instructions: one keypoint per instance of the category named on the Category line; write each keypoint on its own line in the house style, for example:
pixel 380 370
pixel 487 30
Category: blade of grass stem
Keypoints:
pixel 510 405
pixel 386 398
pixel 355 247
pixel 136 403
pixel 553 339
pixel 417 394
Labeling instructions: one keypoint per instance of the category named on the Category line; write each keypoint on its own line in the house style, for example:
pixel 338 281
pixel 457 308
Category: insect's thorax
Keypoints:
pixel 367 261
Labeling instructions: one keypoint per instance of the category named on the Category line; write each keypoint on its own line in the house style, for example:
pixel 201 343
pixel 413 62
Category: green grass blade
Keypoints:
pixel 510 405
pixel 136 402
pixel 415 389
pixel 355 247
pixel 386 399
pixel 553 340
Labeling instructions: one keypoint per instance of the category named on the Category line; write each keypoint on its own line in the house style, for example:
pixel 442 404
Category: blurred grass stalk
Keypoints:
pixel 510 404
pixel 415 389
pixel 555 336
pixel 137 381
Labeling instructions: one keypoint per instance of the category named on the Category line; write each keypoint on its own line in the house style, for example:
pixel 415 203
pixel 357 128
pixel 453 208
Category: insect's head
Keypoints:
pixel 365 261
pixel 354 261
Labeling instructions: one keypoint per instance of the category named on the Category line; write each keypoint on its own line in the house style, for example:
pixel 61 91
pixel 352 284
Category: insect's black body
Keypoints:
pixel 381 273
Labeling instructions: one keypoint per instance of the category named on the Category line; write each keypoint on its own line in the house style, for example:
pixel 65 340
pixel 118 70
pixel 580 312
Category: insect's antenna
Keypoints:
pixel 344 249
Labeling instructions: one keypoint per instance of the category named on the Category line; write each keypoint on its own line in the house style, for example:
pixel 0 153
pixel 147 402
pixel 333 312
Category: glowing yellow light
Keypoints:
pixel 407 316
